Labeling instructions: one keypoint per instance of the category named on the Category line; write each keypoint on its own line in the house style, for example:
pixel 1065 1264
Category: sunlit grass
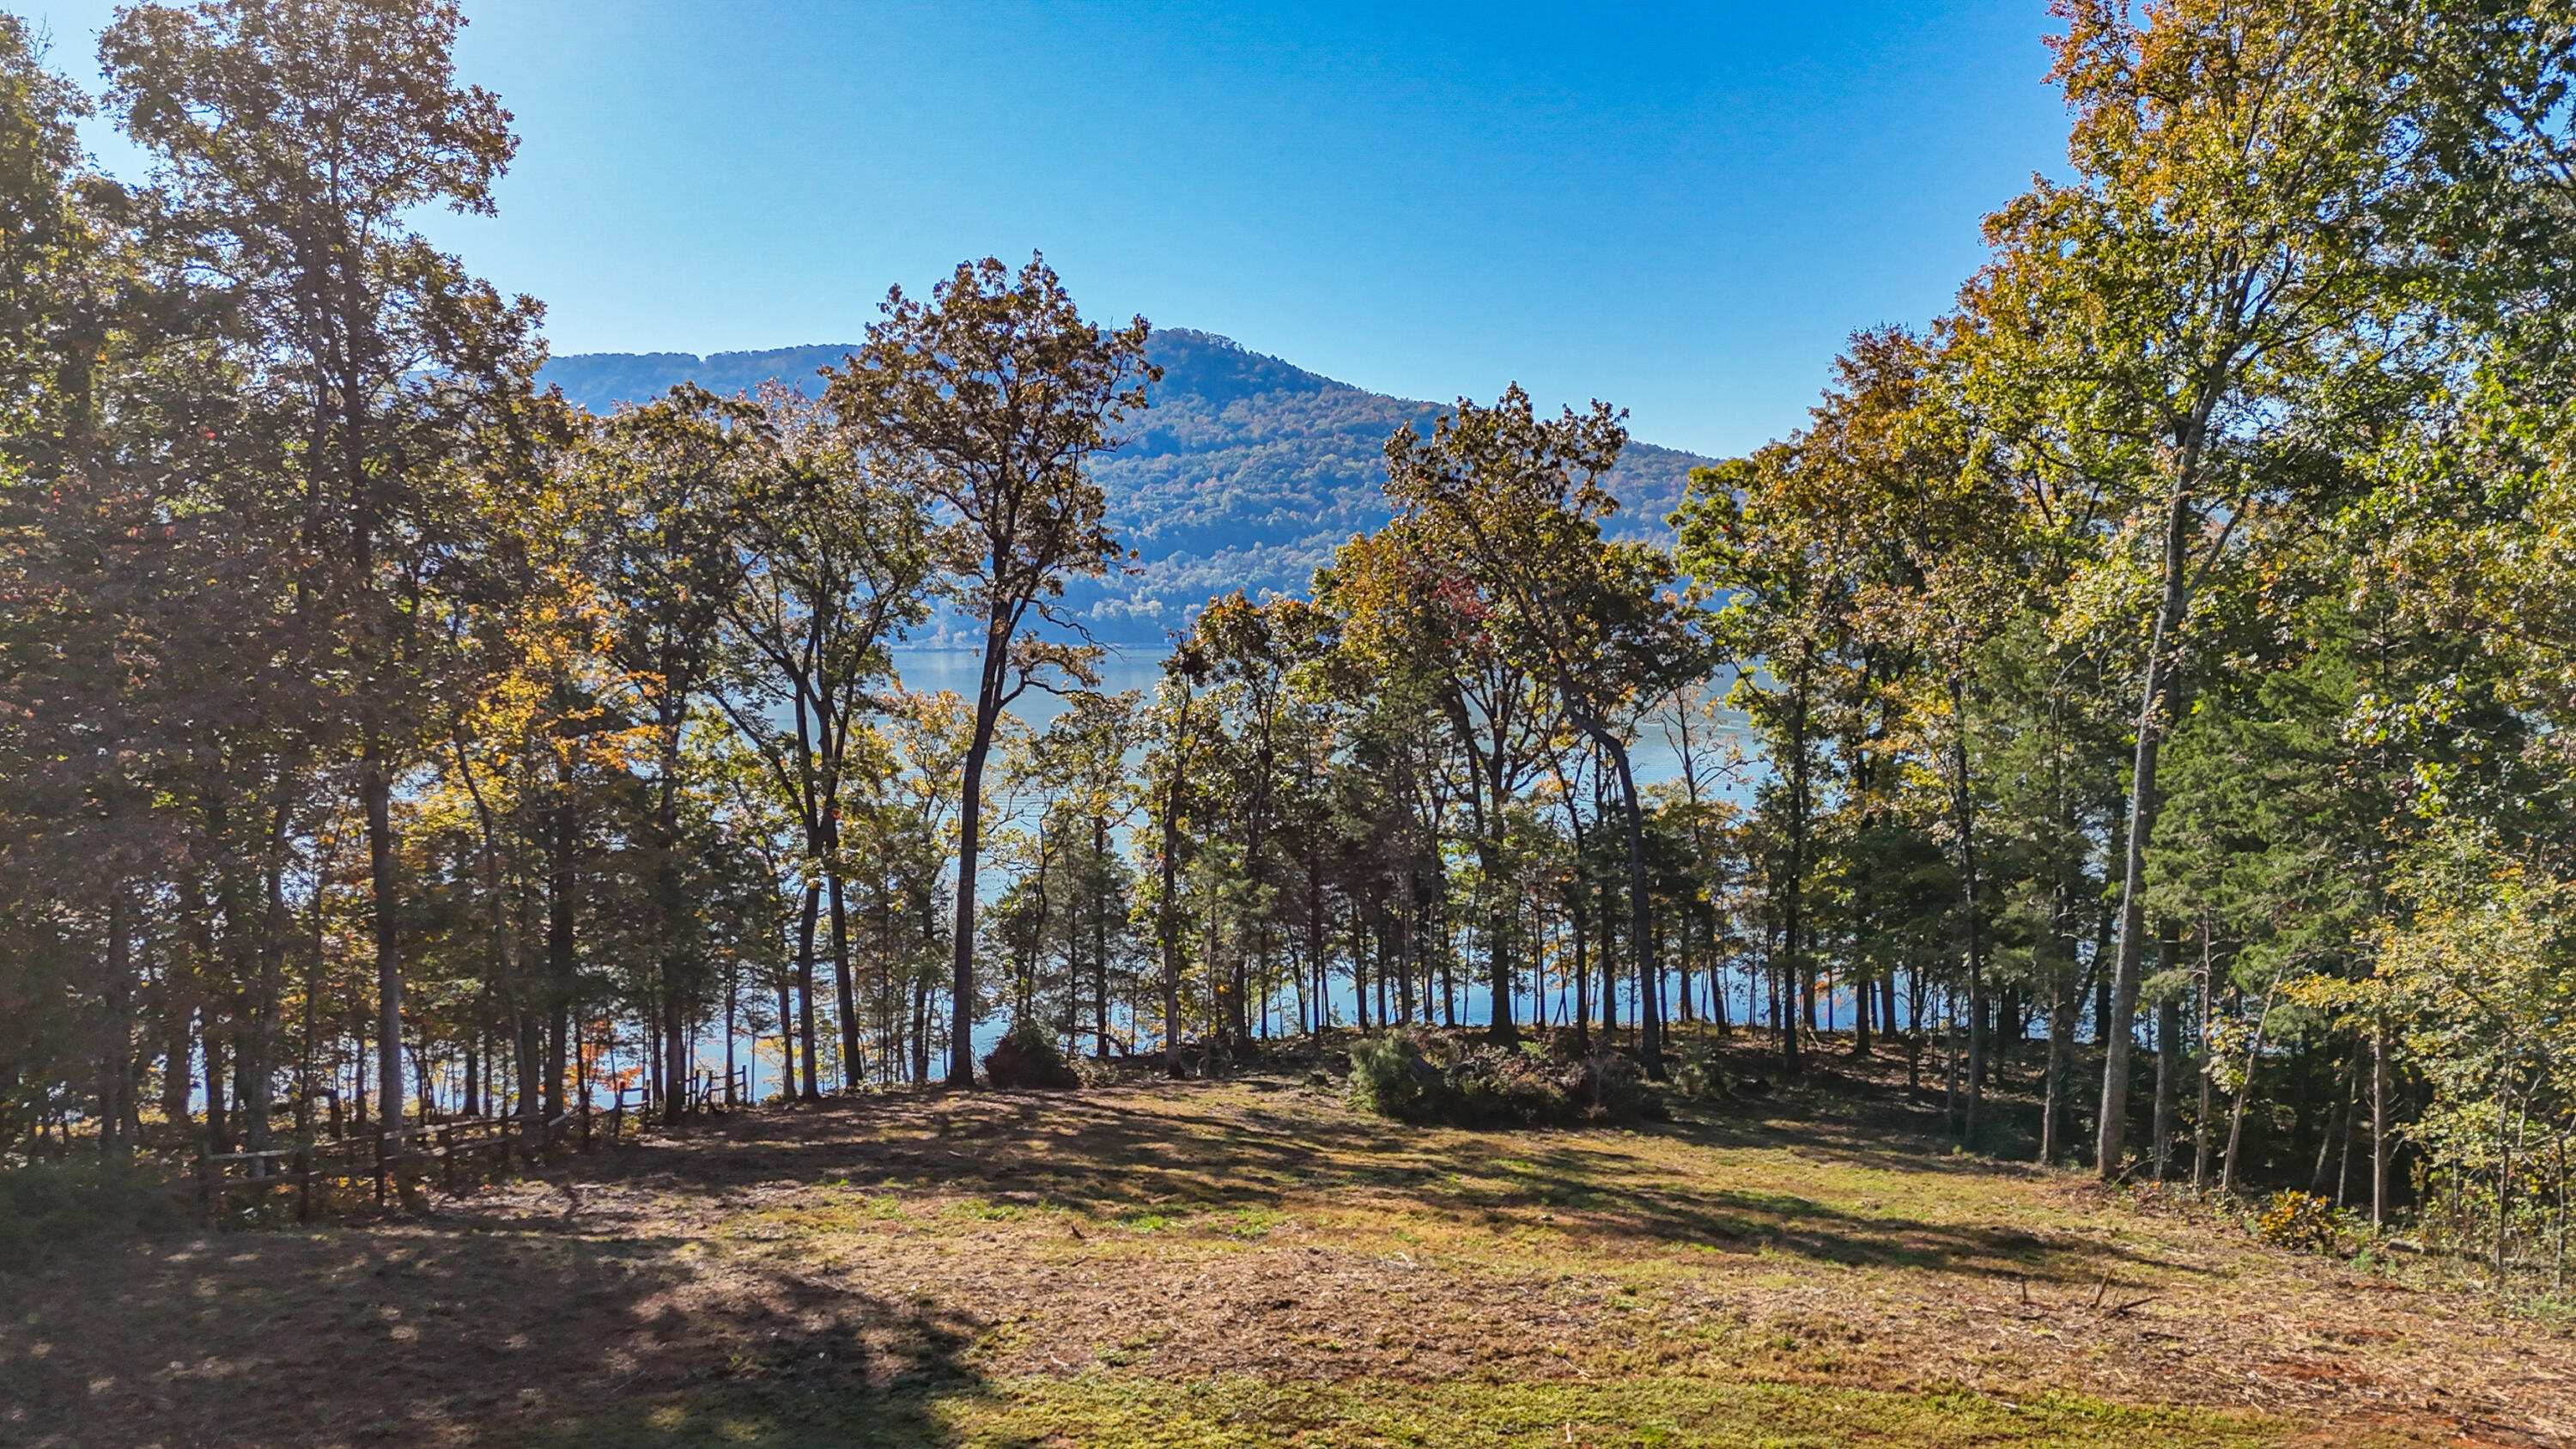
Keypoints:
pixel 1251 1263
pixel 1125 1409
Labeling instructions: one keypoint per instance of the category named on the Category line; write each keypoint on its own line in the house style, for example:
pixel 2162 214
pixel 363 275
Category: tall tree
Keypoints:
pixel 674 483
pixel 2191 295
pixel 296 139
pixel 835 570
pixel 1003 392
pixel 1588 615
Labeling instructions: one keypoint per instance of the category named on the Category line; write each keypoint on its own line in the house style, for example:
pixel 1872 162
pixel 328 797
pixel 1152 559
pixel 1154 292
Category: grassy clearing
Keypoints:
pixel 1249 1263
pixel 1224 1413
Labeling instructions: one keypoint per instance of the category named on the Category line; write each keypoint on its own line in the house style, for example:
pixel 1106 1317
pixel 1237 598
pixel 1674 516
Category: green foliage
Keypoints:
pixel 1026 1058
pixel 46 1205
pixel 2180 619
pixel 1431 1077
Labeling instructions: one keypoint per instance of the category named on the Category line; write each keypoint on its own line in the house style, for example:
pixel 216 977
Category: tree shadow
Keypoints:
pixel 1121 1150
pixel 444 1335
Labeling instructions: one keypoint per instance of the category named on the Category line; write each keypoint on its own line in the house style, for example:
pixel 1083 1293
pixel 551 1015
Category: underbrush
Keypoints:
pixel 1026 1057
pixel 52 1203
pixel 1421 1076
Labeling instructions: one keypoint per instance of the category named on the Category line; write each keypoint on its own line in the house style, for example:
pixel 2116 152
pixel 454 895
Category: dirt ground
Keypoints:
pixel 1011 1268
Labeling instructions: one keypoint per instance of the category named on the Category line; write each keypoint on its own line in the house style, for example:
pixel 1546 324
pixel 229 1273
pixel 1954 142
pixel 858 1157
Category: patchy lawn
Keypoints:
pixel 1250 1263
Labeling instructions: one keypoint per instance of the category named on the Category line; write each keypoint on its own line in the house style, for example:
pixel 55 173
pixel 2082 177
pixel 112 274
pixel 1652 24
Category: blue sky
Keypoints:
pixel 1682 210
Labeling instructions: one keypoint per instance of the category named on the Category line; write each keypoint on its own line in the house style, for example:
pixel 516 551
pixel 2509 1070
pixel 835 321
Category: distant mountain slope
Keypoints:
pixel 1245 474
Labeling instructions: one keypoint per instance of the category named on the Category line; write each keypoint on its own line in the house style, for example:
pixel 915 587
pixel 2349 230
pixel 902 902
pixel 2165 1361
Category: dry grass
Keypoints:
pixel 1250 1263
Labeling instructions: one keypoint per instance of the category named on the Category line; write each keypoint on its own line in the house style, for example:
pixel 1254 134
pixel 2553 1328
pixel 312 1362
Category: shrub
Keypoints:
pixel 1700 1074
pixel 2298 1220
pixel 1026 1057
pixel 51 1203
pixel 1391 1077
pixel 1417 1076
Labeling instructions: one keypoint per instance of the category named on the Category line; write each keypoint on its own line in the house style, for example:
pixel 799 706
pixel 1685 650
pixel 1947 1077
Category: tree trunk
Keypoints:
pixel 786 1046
pixel 2379 1127
pixel 2061 1062
pixel 1498 933
pixel 1167 922
pixel 1966 813
pixel 561 962
pixel 845 995
pixel 1641 919
pixel 2244 1089
pixel 2170 1060
pixel 2338 1125
pixel 1793 889
pixel 116 1047
pixel 2155 700
pixel 970 840
pixel 375 784
pixel 1100 939
pixel 268 993
pixel 805 921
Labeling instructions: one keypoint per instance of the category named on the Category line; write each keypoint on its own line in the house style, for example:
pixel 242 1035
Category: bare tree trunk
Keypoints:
pixel 786 1046
pixel 2168 1037
pixel 562 1055
pixel 1966 812
pixel 1167 920
pixel 1100 940
pixel 845 996
pixel 2338 1125
pixel 116 1047
pixel 2379 1127
pixel 375 784
pixel 2155 700
pixel 2244 1089
pixel 2170 1060
pixel 1641 921
pixel 2061 1061
pixel 268 992
pixel 813 1089
pixel 970 841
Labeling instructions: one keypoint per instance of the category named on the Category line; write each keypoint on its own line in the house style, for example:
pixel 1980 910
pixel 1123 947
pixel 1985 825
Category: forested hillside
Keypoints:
pixel 1244 473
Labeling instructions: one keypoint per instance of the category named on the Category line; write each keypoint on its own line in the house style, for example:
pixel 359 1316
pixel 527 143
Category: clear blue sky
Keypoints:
pixel 1683 210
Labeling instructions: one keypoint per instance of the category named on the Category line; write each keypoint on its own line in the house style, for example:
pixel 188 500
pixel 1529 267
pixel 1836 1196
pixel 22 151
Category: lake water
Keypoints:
pixel 1654 758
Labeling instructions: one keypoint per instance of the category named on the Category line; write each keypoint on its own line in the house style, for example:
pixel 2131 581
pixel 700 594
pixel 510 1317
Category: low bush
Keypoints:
pixel 51 1203
pixel 1390 1077
pixel 1701 1074
pixel 2298 1220
pixel 1026 1057
pixel 1417 1076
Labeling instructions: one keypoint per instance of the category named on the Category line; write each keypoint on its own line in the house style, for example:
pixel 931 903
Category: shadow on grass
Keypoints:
pixel 438 1335
pixel 1115 1151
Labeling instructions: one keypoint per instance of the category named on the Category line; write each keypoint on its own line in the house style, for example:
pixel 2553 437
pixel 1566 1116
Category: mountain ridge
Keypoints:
pixel 1245 473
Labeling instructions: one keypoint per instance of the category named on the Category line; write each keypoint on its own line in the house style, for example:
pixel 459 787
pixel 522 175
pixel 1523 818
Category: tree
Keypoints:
pixel 836 566
pixel 1002 392
pixel 294 139
pixel 1588 615
pixel 1754 530
pixel 1172 726
pixel 675 482
pixel 2191 298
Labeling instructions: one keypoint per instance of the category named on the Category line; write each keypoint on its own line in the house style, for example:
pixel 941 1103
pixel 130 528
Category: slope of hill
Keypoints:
pixel 1245 473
